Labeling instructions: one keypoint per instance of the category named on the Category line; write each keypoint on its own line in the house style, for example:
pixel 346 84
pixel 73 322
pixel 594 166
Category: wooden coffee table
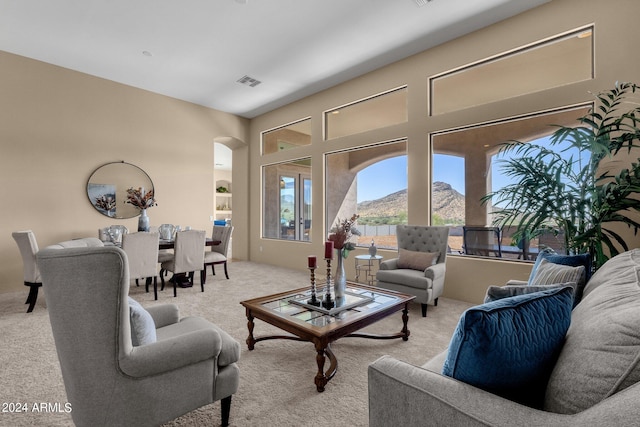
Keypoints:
pixel 362 306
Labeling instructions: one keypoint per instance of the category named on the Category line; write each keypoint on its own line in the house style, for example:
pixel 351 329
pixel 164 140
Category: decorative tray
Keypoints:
pixel 349 300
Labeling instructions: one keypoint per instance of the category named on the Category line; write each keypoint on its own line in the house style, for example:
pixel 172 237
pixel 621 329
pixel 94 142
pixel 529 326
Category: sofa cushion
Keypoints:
pixel 143 328
pixel 619 269
pixel 498 292
pixel 549 273
pixel 405 276
pixel 570 260
pixel 601 355
pixel 509 346
pixel 416 260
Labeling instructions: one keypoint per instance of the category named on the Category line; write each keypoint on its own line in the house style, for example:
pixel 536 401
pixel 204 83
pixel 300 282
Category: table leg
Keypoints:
pixel 322 378
pixel 405 322
pixel 251 341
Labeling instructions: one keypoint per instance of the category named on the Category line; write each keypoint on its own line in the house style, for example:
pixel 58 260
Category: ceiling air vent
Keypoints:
pixel 421 3
pixel 249 81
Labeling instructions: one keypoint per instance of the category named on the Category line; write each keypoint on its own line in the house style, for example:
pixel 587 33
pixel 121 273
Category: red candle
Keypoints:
pixel 328 250
pixel 312 262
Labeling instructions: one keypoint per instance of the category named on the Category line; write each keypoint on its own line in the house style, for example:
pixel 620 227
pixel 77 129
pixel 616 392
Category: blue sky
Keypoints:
pixel 382 178
pixel 389 176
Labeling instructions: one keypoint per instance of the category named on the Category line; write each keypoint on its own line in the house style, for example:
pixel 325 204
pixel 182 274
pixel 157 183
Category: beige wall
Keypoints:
pixel 467 279
pixel 57 126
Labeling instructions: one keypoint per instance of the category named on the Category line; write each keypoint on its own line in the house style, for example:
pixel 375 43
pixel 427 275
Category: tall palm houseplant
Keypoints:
pixel 580 196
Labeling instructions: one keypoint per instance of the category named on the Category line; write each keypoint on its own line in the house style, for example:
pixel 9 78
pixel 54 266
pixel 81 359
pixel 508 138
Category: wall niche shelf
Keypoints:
pixel 223 200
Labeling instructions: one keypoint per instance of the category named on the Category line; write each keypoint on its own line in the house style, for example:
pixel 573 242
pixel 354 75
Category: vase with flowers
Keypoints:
pixel 141 200
pixel 341 236
pixel 106 203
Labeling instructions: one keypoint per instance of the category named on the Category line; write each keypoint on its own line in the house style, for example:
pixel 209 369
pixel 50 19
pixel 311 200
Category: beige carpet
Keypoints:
pixel 276 385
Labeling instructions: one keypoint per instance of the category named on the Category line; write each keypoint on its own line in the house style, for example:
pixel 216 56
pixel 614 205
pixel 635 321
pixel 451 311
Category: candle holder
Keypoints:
pixel 328 302
pixel 313 300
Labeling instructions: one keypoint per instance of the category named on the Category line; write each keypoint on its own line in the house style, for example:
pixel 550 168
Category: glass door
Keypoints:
pixel 295 207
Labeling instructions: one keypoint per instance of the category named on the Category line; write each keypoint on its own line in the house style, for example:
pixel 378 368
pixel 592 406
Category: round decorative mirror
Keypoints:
pixel 107 188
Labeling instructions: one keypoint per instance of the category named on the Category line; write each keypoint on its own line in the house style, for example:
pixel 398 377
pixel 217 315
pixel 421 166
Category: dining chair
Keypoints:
pixel 167 232
pixel 482 241
pixel 218 253
pixel 188 258
pixel 142 251
pixel 28 246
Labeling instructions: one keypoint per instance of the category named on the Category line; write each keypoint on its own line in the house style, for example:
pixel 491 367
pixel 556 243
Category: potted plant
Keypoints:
pixel 577 196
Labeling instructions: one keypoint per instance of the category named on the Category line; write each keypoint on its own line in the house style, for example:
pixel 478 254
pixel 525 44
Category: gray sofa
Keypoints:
pixel 594 381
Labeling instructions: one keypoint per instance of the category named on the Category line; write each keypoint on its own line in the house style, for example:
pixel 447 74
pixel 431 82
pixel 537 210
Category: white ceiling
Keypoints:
pixel 196 50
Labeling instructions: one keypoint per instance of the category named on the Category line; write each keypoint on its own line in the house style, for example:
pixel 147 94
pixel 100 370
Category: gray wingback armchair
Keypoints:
pixel 420 267
pixel 110 382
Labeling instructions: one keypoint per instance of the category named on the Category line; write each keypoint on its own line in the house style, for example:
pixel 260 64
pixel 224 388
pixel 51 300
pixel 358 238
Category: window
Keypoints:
pixel 287 200
pixel 382 110
pixel 465 167
pixel 371 182
pixel 552 63
pixel 287 137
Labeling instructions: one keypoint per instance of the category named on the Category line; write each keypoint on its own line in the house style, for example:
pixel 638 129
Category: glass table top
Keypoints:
pixel 355 301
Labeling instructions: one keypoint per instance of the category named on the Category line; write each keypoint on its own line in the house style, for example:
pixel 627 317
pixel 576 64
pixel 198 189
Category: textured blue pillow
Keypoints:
pixel 143 328
pixel 570 260
pixel 509 346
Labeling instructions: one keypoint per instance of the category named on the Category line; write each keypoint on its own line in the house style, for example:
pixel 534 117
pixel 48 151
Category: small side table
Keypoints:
pixel 365 264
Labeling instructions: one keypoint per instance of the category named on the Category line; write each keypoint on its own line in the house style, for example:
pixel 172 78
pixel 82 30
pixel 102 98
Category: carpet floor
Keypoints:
pixel 276 379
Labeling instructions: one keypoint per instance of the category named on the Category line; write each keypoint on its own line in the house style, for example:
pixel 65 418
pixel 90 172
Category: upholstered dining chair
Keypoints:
pixel 218 253
pixel 420 266
pixel 166 230
pixel 122 364
pixel 188 258
pixel 28 246
pixel 142 251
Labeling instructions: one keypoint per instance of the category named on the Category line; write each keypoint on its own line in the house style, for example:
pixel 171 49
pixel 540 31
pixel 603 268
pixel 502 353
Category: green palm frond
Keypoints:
pixel 554 190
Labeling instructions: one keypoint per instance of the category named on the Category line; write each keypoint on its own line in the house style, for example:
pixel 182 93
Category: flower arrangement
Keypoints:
pixel 108 203
pixel 141 200
pixel 341 234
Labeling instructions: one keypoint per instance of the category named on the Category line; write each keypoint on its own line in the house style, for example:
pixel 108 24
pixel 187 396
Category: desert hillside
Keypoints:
pixel 448 206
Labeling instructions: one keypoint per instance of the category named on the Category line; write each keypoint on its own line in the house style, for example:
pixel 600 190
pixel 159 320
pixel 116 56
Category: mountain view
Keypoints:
pixel 448 207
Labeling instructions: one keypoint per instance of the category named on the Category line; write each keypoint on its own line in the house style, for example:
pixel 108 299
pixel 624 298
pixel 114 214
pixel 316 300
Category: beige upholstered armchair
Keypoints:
pixel 419 268
pixel 123 365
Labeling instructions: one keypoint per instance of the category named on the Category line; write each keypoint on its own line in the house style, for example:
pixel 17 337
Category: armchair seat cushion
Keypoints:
pixel 405 276
pixel 229 347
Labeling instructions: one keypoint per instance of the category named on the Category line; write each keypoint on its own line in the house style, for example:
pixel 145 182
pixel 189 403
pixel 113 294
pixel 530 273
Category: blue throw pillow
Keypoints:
pixel 570 260
pixel 509 347
pixel 143 328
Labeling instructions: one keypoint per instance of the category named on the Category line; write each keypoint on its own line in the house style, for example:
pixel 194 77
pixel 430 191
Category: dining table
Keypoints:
pixel 170 244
